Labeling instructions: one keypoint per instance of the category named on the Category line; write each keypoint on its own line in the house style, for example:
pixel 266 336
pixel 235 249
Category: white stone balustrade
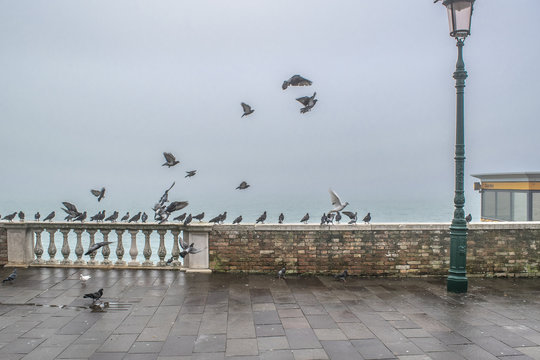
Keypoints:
pixel 25 244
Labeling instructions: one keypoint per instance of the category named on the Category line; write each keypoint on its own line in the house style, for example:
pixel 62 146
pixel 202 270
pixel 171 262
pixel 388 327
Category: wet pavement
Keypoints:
pixel 170 315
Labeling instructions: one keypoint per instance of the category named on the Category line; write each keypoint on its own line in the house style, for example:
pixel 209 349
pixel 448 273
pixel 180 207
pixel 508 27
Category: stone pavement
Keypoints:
pixel 174 315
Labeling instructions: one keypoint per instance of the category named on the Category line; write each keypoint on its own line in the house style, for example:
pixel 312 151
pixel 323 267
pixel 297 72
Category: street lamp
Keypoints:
pixel 459 19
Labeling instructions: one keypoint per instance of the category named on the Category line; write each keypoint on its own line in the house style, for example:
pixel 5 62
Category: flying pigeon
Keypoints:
pixel 170 160
pixel 181 217
pixel 468 218
pixel 100 194
pixel 352 216
pixel 37 216
pixel 305 218
pixel 50 216
pixel 308 102
pixel 188 249
pixel 11 276
pixel 247 109
pixel 10 217
pixel 367 218
pixel 190 173
pixel 243 185
pixel 126 217
pixel 281 273
pixel 281 218
pixel 296 80
pixel 96 246
pixel 144 217
pixel 84 278
pixel 342 276
pixel 336 202
pixel 135 217
pixel 188 220
pixel 238 220
pixel 175 206
pixel 94 296
pixel 261 218
pixel 113 217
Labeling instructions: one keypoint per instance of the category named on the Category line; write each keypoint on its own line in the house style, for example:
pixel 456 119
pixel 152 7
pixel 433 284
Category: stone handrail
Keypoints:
pixel 25 245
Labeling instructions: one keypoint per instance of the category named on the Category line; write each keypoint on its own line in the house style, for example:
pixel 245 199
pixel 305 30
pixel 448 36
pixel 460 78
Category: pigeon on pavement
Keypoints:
pixel 11 276
pixel 94 296
pixel 342 276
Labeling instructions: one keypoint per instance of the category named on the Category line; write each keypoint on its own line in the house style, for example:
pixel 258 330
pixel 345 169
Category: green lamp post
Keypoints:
pixel 459 18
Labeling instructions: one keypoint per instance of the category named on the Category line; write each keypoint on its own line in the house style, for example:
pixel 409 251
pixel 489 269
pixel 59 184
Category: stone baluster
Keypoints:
pixel 147 249
pixel 133 252
pixel 175 248
pixel 93 254
pixel 79 248
pixel 65 247
pixel 52 248
pixel 38 248
pixel 105 250
pixel 120 248
pixel 162 251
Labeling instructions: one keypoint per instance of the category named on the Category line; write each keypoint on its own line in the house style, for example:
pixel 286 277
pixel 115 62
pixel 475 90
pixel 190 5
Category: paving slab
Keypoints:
pixel 170 315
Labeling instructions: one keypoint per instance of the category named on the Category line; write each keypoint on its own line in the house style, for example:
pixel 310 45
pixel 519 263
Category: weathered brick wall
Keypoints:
pixel 389 250
pixel 3 246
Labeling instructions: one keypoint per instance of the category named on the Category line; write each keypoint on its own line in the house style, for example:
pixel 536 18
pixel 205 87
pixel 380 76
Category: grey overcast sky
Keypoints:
pixel 92 93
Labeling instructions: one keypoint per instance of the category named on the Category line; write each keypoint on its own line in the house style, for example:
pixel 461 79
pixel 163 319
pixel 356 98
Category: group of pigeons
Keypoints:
pixel 295 80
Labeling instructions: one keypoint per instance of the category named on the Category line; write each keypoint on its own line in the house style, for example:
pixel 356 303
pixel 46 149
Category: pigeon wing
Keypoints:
pixel 246 107
pixel 70 206
pixel 96 193
pixel 334 197
pixel 298 80
pixel 349 214
pixel 304 100
pixel 169 157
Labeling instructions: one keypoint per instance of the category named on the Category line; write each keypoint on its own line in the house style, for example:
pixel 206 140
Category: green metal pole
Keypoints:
pixel 457 279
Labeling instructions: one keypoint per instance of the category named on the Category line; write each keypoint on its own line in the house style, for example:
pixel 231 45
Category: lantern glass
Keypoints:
pixel 459 17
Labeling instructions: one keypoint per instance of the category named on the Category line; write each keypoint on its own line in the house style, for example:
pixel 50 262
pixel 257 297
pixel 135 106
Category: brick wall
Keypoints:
pixel 3 246
pixel 509 249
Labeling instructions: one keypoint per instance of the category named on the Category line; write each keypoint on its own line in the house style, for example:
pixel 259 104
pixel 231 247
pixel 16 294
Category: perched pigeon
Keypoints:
pixel 10 217
pixel 50 217
pixel 21 215
pixel 468 218
pixel 188 220
pixel 243 185
pixel 330 219
pixel 96 217
pixel 216 219
pixel 342 276
pixel 126 217
pixel 96 246
pixel 281 273
pixel 37 216
pixel 338 217
pixel 100 194
pixel 144 217
pixel 367 218
pixel 171 259
pixel 281 218
pixel 181 217
pixel 113 217
pixel 80 217
pixel 305 219
pixel 94 296
pixel 261 218
pixel 308 102
pixel 170 160
pixel 199 216
pixel 238 220
pixel 323 219
pixel 296 80
pixel 222 217
pixel 11 276
pixel 84 278
pixel 336 202
pixel 135 217
pixel 247 109
pixel 352 216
